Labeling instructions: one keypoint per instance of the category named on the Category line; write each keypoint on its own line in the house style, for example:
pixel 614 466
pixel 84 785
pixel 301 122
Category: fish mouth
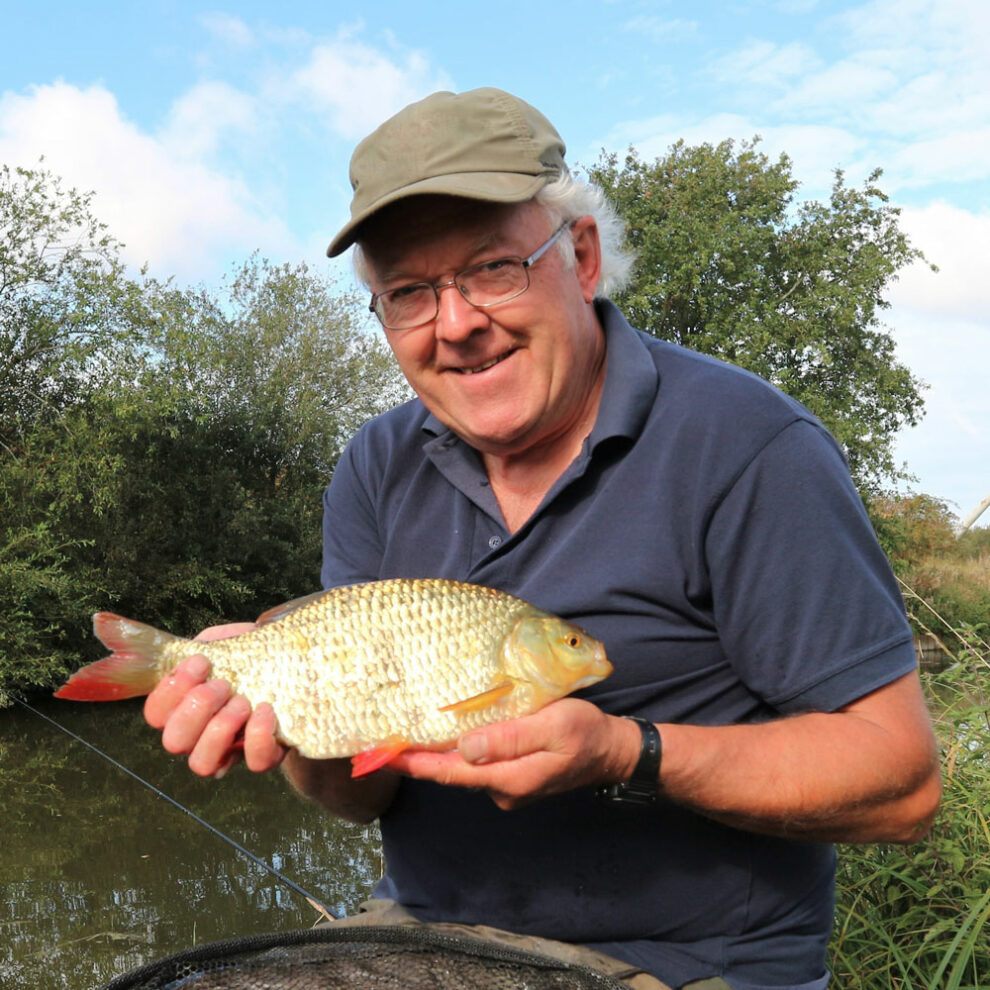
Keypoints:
pixel 485 365
pixel 597 670
pixel 583 682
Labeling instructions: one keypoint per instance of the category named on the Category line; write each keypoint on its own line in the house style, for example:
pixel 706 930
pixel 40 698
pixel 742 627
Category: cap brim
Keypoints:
pixel 492 187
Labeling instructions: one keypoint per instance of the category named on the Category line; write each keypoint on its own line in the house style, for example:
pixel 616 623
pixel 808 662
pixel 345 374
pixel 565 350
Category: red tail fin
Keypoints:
pixel 133 669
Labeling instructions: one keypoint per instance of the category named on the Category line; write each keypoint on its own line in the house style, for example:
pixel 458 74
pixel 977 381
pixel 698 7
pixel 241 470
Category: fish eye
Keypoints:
pixel 573 641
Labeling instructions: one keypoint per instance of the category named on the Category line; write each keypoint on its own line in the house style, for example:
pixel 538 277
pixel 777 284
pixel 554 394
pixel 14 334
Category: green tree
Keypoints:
pixel 727 266
pixel 162 450
pixel 63 293
pixel 913 527
pixel 64 316
pixel 225 439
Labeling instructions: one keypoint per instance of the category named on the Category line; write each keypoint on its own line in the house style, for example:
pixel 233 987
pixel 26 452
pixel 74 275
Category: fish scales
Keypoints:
pixel 405 661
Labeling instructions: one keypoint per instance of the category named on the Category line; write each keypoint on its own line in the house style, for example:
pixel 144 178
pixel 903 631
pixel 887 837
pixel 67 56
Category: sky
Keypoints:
pixel 209 131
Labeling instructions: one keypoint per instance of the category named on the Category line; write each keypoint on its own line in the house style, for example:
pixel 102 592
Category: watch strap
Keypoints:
pixel 643 786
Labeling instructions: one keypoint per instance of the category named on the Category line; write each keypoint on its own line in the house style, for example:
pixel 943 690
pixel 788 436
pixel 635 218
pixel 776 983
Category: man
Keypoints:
pixel 697 521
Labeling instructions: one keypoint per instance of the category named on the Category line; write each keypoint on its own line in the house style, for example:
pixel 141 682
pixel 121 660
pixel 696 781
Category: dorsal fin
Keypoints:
pixel 287 608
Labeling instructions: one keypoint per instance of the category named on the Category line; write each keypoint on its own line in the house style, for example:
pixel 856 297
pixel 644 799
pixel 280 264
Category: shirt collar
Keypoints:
pixel 631 379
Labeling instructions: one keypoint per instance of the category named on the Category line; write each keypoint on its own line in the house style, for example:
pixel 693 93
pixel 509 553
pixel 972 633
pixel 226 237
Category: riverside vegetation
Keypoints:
pixel 918 916
pixel 163 450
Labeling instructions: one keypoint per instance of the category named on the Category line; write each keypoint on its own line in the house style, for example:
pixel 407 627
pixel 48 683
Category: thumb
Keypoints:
pixel 507 740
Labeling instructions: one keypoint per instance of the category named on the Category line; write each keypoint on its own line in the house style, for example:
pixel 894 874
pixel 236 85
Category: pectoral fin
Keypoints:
pixel 480 701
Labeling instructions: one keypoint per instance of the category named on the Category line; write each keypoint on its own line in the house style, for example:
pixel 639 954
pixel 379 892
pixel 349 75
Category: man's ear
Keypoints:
pixel 587 255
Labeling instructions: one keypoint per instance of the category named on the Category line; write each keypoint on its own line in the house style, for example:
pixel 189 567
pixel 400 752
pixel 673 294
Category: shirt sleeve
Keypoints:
pixel 807 607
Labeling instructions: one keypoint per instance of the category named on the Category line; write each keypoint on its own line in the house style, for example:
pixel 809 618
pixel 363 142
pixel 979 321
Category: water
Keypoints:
pixel 99 875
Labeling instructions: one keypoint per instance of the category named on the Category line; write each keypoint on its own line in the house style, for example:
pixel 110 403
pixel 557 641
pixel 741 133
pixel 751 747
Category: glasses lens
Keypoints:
pixel 493 282
pixel 407 306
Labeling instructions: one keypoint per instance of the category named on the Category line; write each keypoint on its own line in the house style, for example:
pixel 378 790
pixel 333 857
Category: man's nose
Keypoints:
pixel 457 319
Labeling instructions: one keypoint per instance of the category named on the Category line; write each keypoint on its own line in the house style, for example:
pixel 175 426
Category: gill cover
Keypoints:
pixel 555 656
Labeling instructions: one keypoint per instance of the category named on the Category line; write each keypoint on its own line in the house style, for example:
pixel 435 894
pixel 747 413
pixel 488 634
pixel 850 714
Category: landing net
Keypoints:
pixel 361 958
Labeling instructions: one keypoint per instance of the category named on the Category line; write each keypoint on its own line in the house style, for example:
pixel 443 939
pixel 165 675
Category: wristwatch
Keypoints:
pixel 644 784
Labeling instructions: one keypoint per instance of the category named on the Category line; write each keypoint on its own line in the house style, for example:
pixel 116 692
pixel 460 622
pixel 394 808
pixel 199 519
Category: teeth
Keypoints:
pixel 481 367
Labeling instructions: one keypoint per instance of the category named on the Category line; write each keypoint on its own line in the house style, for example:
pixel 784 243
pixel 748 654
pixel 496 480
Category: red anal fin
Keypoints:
pixel 479 701
pixel 374 759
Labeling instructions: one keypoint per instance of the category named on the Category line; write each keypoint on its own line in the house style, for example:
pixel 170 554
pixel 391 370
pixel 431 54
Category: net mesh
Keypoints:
pixel 386 958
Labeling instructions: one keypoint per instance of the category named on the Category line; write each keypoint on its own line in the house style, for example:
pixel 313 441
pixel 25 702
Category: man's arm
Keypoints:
pixel 867 773
pixel 329 783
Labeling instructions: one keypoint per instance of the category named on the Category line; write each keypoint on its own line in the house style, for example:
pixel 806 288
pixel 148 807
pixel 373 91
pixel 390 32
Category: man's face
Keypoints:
pixel 514 376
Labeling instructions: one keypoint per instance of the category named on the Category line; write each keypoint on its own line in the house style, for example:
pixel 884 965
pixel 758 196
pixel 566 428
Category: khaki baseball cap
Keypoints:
pixel 484 144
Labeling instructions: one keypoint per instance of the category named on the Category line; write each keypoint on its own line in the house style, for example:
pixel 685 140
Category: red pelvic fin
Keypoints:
pixel 374 759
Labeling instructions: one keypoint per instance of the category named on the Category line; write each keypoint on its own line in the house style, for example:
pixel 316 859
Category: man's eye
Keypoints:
pixel 496 265
pixel 404 291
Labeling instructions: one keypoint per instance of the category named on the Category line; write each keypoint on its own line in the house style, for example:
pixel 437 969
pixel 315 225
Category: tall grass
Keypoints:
pixel 913 917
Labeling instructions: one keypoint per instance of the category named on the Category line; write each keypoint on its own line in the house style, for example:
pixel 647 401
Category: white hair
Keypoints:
pixel 565 199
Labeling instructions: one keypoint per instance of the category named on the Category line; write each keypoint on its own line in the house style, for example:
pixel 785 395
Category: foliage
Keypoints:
pixel 63 299
pixel 946 578
pixel 163 450
pixel 974 544
pixel 919 916
pixel 64 315
pixel 727 267
pixel 912 527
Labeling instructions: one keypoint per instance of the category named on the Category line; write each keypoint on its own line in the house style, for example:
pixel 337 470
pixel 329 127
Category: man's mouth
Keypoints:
pixel 484 367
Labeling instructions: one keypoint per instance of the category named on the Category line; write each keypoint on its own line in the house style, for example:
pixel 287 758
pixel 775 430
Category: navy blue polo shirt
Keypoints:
pixel 709 534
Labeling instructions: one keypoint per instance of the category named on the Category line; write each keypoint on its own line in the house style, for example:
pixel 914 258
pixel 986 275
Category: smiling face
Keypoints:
pixel 521 376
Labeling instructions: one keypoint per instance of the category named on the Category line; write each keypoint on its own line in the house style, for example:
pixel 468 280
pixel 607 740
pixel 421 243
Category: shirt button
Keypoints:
pixel 495 542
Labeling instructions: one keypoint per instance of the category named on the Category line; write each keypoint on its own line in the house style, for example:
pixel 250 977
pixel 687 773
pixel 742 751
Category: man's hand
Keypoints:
pixel 569 743
pixel 201 717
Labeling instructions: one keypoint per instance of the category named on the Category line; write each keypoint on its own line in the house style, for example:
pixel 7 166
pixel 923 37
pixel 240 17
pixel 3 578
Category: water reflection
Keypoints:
pixel 100 875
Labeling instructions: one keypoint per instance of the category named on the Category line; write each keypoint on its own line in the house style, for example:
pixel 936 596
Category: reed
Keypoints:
pixel 913 917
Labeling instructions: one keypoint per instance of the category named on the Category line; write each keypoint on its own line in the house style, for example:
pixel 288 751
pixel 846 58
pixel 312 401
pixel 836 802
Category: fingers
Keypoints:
pixel 201 718
pixel 262 751
pixel 569 743
pixel 169 692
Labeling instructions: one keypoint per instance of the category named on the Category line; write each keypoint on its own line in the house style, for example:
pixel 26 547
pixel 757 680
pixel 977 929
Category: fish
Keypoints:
pixel 369 670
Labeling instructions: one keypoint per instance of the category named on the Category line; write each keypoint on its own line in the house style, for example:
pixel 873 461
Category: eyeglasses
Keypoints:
pixel 488 284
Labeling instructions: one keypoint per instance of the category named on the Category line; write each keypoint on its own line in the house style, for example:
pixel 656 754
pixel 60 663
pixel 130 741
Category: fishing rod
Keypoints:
pixel 314 901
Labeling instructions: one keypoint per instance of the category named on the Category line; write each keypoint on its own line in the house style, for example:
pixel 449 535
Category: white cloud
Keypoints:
pixel 839 89
pixel 661 29
pixel 949 451
pixel 230 30
pixel 933 25
pixel 764 63
pixel 939 323
pixel 958 242
pixel 815 150
pixel 910 89
pixel 170 210
pixel 200 118
pixel 355 87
